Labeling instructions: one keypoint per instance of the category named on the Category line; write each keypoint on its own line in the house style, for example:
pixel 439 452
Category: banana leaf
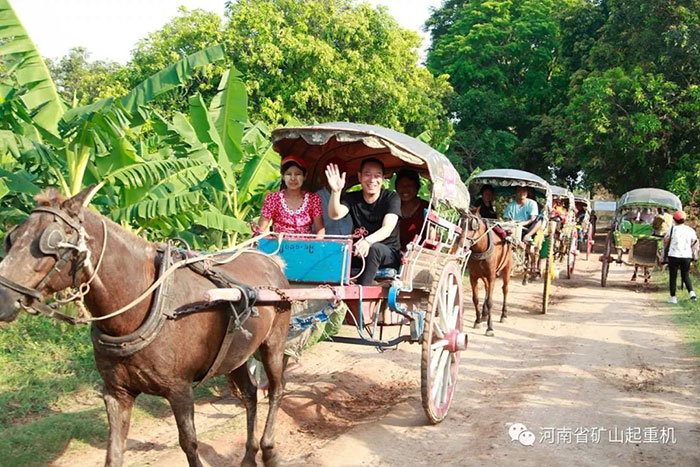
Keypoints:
pixel 21 56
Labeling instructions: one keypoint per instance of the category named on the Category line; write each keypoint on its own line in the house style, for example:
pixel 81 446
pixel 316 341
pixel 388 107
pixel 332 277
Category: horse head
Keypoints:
pixel 45 254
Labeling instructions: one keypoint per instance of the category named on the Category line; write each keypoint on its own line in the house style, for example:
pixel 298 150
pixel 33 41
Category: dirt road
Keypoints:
pixel 602 379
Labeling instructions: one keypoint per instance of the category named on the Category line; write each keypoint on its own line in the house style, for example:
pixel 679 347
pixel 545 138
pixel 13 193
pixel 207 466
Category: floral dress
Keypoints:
pixel 285 220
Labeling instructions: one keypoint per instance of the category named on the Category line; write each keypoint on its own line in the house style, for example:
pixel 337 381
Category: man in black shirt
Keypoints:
pixel 373 208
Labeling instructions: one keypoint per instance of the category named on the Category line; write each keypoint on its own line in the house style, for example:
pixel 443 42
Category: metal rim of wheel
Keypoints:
pixel 548 273
pixel 571 255
pixel 442 343
pixel 606 262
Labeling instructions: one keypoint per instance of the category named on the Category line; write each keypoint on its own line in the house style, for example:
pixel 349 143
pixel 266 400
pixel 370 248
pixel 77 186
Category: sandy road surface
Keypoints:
pixel 600 359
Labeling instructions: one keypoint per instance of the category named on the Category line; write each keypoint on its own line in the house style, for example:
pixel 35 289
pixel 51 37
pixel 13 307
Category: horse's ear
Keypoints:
pixel 49 197
pixel 73 205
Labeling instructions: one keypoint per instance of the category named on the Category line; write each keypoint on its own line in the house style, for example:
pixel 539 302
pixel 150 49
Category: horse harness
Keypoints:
pixel 491 241
pixel 53 242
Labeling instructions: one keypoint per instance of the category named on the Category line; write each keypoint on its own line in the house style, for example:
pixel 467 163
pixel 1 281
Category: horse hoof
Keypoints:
pixel 272 461
pixel 489 332
pixel 477 324
pixel 503 319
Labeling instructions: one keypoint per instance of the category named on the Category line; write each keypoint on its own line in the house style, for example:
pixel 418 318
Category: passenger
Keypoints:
pixel 646 216
pixel 407 184
pixel 661 223
pixel 559 211
pixel 291 209
pixel 484 205
pixel 341 226
pixel 524 211
pixel 376 210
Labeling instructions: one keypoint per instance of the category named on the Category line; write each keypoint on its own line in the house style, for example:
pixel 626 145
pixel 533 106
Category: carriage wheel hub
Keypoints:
pixel 456 341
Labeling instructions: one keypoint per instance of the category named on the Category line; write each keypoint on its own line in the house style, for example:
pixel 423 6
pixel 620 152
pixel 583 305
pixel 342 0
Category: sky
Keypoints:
pixel 109 29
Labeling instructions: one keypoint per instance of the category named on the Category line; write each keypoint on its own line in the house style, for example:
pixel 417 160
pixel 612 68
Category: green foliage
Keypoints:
pixel 81 81
pixel 320 60
pixel 20 55
pixel 503 61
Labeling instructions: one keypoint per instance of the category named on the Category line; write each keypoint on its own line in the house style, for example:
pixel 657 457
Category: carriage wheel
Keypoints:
pixel 589 242
pixel 606 261
pixel 571 255
pixel 548 272
pixel 442 343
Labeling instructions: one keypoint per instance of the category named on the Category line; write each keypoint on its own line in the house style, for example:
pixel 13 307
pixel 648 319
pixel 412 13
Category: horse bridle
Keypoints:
pixel 52 242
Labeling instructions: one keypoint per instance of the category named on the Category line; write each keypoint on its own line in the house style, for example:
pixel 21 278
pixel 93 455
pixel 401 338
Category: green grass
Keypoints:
pixel 42 362
pixel 686 314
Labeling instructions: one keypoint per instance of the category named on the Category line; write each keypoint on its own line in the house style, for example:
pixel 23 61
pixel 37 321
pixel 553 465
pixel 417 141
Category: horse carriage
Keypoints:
pixel 584 225
pixel 565 233
pixel 632 233
pixel 422 300
pixel 526 256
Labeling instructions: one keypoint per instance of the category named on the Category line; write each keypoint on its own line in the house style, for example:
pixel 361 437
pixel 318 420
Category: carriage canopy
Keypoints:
pixel 562 193
pixel 649 197
pixel 353 142
pixel 511 178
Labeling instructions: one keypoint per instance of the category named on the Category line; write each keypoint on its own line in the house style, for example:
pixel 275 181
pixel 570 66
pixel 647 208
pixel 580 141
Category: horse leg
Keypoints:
pixel 505 276
pixel 246 391
pixel 475 297
pixel 272 352
pixel 647 275
pixel 634 275
pixel 488 304
pixel 182 404
pixel 118 404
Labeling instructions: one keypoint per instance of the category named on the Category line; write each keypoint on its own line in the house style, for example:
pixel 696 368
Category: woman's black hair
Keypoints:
pixel 286 167
pixel 409 174
pixel 486 187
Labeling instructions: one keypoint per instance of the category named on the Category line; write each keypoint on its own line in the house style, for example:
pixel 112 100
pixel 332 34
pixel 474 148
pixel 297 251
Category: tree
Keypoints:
pixel 503 59
pixel 631 116
pixel 319 60
pixel 81 81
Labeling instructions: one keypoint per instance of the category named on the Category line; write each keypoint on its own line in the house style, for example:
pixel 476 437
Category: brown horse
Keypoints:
pixel 490 257
pixel 182 351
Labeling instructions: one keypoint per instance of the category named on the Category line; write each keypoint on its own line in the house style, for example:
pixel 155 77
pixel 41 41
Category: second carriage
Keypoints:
pixel 534 258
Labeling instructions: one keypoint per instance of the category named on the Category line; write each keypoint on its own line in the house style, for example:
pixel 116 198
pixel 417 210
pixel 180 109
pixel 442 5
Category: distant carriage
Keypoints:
pixel 631 234
pixel 566 233
pixel 584 225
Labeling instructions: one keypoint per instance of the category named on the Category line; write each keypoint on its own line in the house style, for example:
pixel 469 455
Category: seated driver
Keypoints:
pixel 523 210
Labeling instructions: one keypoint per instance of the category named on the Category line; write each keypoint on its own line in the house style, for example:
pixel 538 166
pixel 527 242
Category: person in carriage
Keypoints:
pixel 291 210
pixel 373 210
pixel 484 205
pixel 407 185
pixel 525 211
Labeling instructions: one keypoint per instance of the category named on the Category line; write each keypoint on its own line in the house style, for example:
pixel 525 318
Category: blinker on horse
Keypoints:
pixel 164 342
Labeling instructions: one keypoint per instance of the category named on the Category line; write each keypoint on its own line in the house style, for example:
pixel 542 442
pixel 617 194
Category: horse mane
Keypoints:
pixel 50 197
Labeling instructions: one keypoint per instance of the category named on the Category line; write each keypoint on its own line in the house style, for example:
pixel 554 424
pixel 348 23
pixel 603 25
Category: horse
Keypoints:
pixel 111 267
pixel 490 256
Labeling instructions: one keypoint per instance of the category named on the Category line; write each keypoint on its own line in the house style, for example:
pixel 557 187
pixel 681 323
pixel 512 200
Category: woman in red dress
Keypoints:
pixel 413 208
pixel 292 210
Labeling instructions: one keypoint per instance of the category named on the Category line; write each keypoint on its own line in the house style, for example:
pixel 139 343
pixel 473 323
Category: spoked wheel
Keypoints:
pixel 549 267
pixel 589 242
pixel 443 340
pixel 571 255
pixel 606 261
